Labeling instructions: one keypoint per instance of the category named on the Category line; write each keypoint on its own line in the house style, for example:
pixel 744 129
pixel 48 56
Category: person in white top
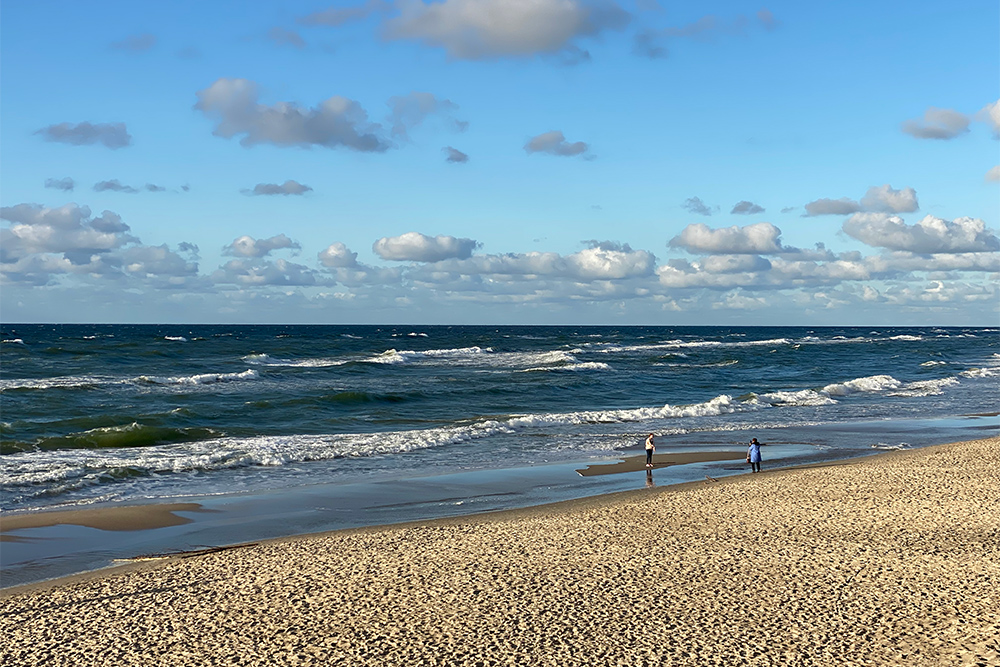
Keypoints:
pixel 650 448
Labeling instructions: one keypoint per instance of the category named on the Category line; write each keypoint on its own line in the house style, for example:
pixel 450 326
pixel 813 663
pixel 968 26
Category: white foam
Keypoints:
pixel 865 384
pixel 924 387
pixel 15 341
pixel 204 378
pixel 66 382
pixel 906 337
pixel 473 356
pixel 792 398
pixel 582 366
pixel 177 338
pixel 934 363
pixel 980 372
pixel 267 360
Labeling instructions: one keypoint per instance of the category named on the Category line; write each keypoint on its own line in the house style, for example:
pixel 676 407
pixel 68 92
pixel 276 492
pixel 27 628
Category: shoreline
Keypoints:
pixel 885 559
pixel 155 515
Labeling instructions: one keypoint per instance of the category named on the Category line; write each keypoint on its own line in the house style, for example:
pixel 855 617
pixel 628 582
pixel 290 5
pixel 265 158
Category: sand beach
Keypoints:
pixel 888 560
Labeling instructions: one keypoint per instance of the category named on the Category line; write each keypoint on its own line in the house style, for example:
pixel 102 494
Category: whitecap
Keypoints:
pixel 203 378
pixel 181 339
pixel 924 387
pixel 870 383
pixel 934 363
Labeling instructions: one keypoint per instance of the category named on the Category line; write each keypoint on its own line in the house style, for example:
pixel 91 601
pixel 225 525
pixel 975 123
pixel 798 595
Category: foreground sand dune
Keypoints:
pixel 892 560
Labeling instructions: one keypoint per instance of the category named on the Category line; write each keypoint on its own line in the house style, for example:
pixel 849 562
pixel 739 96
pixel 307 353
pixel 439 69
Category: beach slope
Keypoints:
pixel 888 560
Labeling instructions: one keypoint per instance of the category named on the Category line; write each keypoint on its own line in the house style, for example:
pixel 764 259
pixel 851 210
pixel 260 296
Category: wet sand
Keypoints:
pixel 637 463
pixel 132 517
pixel 887 560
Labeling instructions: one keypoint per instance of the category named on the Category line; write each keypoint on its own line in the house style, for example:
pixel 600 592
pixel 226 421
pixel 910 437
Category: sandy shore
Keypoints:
pixel 890 560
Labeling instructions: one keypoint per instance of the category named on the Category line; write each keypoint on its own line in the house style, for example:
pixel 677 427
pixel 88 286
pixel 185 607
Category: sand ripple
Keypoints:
pixel 894 560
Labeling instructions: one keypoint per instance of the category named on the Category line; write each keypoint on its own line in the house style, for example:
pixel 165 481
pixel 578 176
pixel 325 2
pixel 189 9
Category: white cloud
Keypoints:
pixel 610 263
pixel 760 238
pixel 338 256
pixel 991 115
pixel 265 273
pixel 151 261
pixel 110 135
pixel 886 200
pixel 930 235
pixel 69 230
pixel 993 174
pixel 938 124
pixel 486 29
pixel 247 246
pixel 554 143
pixel 335 122
pixel 734 263
pixel 289 187
pixel 417 247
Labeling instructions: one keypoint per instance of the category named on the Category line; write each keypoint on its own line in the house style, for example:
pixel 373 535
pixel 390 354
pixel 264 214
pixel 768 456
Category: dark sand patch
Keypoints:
pixel 637 463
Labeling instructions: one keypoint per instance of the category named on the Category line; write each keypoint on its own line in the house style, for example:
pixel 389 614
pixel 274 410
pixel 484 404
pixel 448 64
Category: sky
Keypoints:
pixel 500 162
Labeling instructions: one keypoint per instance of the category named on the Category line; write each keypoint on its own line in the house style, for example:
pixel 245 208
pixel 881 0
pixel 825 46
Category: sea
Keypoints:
pixel 98 414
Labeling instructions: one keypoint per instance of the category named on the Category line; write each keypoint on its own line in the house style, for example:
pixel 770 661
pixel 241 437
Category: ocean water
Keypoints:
pixel 101 413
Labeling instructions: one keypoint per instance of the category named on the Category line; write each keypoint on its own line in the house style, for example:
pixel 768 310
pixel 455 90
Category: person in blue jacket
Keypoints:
pixel 753 455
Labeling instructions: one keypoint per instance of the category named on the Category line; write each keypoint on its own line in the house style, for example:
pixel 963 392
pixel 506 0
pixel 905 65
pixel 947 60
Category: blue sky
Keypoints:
pixel 500 161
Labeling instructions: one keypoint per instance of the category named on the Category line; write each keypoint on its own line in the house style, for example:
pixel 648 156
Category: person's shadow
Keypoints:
pixel 649 478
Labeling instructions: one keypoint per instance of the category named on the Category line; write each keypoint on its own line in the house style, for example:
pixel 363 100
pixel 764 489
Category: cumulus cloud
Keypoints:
pixel 259 273
pixel 247 246
pixel 110 135
pixel 488 29
pixel 993 174
pixel 554 143
pixel 153 187
pixel 284 37
pixel 154 261
pixel 114 186
pixel 938 124
pixel 136 43
pixel 746 208
pixel 338 256
pixel 65 184
pixel 991 115
pixel 289 187
pixel 409 111
pixel 734 263
pixel 69 229
pixel 335 122
pixel 930 235
pixel 454 155
pixel 883 199
pixel 761 238
pixel 610 261
pixel 417 247
pixel 696 205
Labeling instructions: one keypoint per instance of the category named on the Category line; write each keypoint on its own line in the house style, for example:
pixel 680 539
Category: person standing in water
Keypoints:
pixel 753 455
pixel 650 448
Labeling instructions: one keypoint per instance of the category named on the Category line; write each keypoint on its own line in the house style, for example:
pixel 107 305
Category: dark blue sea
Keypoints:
pixel 125 413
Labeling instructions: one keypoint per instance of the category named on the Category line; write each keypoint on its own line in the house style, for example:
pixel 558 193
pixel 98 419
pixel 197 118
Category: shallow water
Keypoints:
pixel 111 413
